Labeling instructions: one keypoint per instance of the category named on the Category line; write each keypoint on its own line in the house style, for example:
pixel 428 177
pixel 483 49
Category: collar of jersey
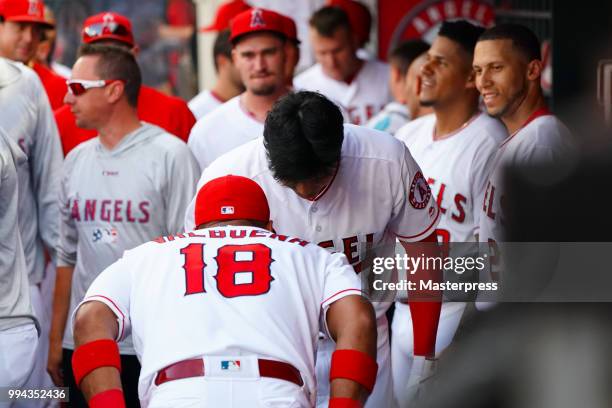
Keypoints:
pixel 128 141
pixel 9 73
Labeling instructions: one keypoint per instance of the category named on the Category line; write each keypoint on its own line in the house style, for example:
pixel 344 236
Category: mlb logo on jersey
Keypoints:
pixel 227 209
pixel 230 365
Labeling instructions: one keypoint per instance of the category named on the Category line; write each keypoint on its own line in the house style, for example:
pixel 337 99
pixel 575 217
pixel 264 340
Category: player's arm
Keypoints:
pixel 96 360
pixel 183 167
pixel 61 304
pixel 425 305
pixel 46 171
pixel 355 353
pixel 66 259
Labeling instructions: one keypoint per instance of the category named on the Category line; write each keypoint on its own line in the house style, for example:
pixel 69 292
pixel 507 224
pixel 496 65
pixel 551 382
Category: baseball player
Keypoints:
pixel 168 112
pixel 395 114
pixel 27 119
pixel 258 299
pixel 344 188
pixel 508 66
pixel 228 83
pixel 360 19
pixel 18 325
pixel 22 24
pixel 454 147
pixel 339 73
pixel 124 187
pixel 259 39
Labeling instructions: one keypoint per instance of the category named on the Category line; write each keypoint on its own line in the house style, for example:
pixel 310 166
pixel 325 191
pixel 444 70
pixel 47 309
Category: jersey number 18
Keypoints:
pixel 242 270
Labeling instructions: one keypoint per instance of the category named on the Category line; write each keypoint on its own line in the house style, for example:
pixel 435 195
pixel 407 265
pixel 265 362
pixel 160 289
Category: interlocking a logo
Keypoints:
pixel 33 7
pixel 257 18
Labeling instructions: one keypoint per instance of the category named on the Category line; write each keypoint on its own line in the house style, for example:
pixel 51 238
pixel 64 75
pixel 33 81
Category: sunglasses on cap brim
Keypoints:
pixel 80 86
pixel 107 28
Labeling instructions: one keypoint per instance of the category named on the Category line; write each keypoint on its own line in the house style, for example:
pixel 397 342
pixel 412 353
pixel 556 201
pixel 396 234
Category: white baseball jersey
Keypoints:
pixel 393 116
pixel 223 291
pixel 204 103
pixel 457 168
pixel 15 306
pixel 113 200
pixel 229 126
pixel 377 194
pixel 366 95
pixel 543 139
pixel 28 120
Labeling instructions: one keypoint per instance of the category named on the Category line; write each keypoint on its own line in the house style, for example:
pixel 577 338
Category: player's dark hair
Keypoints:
pixel 303 137
pixel 116 63
pixel 404 54
pixel 463 33
pixel 328 19
pixel 246 223
pixel 522 38
pixel 222 47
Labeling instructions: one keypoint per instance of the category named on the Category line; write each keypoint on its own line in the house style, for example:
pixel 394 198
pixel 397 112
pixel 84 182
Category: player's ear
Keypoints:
pixel 269 226
pixel 471 80
pixel 534 70
pixel 115 91
pixel 135 50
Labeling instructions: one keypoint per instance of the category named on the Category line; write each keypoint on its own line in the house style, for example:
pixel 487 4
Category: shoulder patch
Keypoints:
pixel 420 193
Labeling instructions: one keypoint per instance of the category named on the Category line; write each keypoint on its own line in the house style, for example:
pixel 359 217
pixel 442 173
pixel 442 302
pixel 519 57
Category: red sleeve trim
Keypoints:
pixel 342 291
pixel 424 232
pixel 93 297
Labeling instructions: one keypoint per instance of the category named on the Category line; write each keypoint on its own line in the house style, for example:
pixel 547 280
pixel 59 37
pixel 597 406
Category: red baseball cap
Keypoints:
pixel 231 198
pixel 290 29
pixel 256 20
pixel 107 26
pixel 24 11
pixel 225 13
pixel 359 17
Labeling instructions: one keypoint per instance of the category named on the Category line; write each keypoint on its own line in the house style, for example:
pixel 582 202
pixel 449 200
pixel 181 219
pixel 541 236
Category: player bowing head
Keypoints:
pixel 508 66
pixel 259 44
pixel 105 80
pixel 303 137
pixel 447 74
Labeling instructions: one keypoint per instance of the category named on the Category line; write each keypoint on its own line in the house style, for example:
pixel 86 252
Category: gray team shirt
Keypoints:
pixel 26 116
pixel 15 306
pixel 114 200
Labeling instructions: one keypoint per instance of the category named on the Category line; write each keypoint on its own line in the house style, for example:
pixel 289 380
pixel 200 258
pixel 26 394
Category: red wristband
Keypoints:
pixel 344 403
pixel 107 399
pixel 354 365
pixel 92 355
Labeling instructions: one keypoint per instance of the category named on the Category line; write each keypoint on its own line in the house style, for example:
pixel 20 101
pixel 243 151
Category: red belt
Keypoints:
pixel 195 368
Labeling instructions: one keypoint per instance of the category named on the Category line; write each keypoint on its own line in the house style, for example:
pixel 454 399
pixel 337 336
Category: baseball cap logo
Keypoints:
pixel 257 18
pixel 227 209
pixel 32 7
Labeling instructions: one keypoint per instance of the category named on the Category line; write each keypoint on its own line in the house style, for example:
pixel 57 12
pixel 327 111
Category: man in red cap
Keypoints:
pixel 340 74
pixel 228 84
pixel 361 21
pixel 244 306
pixel 168 112
pixel 260 49
pixel 21 28
pixel 225 13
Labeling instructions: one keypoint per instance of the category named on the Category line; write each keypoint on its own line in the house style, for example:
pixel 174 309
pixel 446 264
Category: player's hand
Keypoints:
pixel 422 370
pixel 54 363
